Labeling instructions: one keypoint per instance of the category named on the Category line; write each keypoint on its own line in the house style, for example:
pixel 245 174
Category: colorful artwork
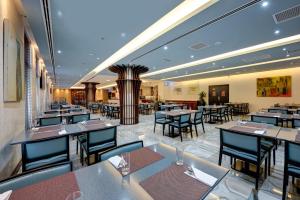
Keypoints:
pixel 280 86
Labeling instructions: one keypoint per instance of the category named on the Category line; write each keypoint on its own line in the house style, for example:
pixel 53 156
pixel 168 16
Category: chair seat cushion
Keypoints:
pixel 176 124
pixel 244 154
pixel 40 163
pixel 293 169
pixel 100 147
pixel 267 144
pixel 163 121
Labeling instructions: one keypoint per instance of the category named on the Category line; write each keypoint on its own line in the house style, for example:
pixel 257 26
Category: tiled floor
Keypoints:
pixel 235 185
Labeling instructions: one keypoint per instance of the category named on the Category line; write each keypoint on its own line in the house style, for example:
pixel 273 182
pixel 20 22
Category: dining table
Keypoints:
pixel 156 177
pixel 283 117
pixel 66 115
pixel 210 109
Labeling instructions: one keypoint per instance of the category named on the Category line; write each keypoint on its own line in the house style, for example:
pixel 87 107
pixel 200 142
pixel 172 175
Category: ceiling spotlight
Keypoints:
pixel 98 58
pixel 192 56
pixel 59 13
pixel 91 54
pixel 123 34
pixel 265 4
pixel 213 63
pixel 58 66
pixel 59 51
pixel 287 55
pixel 276 32
pixel 284 49
pixel 107 80
pixel 166 47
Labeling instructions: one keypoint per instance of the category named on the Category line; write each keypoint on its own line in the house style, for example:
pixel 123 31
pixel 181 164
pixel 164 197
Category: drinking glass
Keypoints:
pixel 125 164
pixel 179 156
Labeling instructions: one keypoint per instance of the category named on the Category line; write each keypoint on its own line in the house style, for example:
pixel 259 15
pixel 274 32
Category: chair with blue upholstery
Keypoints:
pixel 98 141
pixel 296 123
pixel 298 111
pixel 50 121
pixel 160 118
pixel 278 110
pixel 40 153
pixel 183 122
pixel 205 112
pixel 121 149
pixel 243 147
pixel 163 107
pixel 198 119
pixel 176 107
pixel 55 106
pixel 34 176
pixel 80 118
pixel 95 107
pixel 268 144
pixel 220 114
pixel 53 112
pixel 291 164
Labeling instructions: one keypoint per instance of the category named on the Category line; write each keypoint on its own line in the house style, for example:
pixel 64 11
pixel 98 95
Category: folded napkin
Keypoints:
pixel 5 195
pixel 260 132
pixel 108 124
pixel 35 129
pixel 115 160
pixel 276 115
pixel 242 122
pixel 83 122
pixel 202 177
pixel 62 132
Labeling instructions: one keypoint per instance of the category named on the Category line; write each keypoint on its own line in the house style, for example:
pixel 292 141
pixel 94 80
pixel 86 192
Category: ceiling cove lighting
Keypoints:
pixel 232 68
pixel 178 15
pixel 107 86
pixel 239 52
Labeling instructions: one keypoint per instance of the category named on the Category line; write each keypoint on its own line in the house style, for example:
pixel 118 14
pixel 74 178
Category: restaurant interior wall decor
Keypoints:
pixel 12 69
pixel 278 86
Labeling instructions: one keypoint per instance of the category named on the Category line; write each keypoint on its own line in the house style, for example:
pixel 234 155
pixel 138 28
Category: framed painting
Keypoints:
pixel 13 61
pixel 279 86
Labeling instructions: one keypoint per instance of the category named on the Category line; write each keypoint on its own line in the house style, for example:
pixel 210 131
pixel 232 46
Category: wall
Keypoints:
pixel 12 115
pixel 242 88
pixel 59 94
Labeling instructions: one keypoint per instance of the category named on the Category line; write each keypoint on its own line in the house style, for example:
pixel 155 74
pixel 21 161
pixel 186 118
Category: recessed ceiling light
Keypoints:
pixel 98 58
pixel 59 13
pixel 166 47
pixel 265 4
pixel 107 80
pixel 91 54
pixel 276 32
pixel 284 49
pixel 213 63
pixel 59 51
pixel 287 55
pixel 218 43
pixel 123 34
pixel 192 56
pixel 58 66
pixel 223 67
pixel 235 53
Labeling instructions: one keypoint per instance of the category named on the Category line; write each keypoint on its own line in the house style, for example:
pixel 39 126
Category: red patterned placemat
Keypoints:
pixel 57 188
pixel 172 183
pixel 141 158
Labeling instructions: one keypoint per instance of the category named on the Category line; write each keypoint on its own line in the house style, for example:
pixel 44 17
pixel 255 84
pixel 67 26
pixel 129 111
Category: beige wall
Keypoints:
pixel 242 88
pixel 12 115
pixel 59 94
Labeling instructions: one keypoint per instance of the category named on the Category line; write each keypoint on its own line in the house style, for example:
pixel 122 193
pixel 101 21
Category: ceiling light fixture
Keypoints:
pixel 165 47
pixel 265 4
pixel 239 52
pixel 59 51
pixel 276 32
pixel 232 68
pixel 107 86
pixel 123 34
pixel 284 49
pixel 178 15
pixel 192 56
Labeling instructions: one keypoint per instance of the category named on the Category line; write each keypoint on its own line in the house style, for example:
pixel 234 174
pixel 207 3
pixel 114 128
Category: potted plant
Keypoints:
pixel 202 101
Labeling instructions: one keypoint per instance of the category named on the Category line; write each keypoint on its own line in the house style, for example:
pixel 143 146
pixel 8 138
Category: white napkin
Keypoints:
pixel 242 122
pixel 83 122
pixel 5 195
pixel 62 132
pixel 35 128
pixel 203 177
pixel 260 132
pixel 108 124
pixel 276 115
pixel 115 160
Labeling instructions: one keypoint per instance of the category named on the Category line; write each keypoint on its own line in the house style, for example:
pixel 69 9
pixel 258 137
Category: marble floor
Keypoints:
pixel 235 186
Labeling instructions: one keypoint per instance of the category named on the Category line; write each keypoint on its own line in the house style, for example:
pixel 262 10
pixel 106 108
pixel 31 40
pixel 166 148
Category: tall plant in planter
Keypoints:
pixel 202 101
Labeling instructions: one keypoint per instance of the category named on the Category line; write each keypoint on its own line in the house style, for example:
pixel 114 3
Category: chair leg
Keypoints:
pixel 154 127
pixel 164 129
pixel 77 146
pixel 269 160
pixel 203 127
pixel 285 184
pixel 274 156
pixel 179 129
pixel 192 131
pixel 293 180
pixel 196 130
pixel 257 176
pixel 266 167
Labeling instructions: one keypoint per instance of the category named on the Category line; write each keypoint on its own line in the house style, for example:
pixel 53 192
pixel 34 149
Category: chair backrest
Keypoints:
pixel 278 110
pixel 55 106
pixel 176 107
pixel 162 107
pixel 185 118
pixel 121 149
pixel 185 107
pixel 34 151
pixel 159 115
pixel 298 111
pixel 296 123
pixel 198 116
pixel 240 141
pixel 50 121
pixel 102 137
pixel 35 176
pixel 292 152
pixel 80 118
pixel 222 110
pixel 265 119
pixel 52 112
pixel 200 108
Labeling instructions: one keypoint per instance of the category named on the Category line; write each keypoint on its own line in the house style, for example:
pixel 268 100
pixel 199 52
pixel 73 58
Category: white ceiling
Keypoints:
pixel 88 32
